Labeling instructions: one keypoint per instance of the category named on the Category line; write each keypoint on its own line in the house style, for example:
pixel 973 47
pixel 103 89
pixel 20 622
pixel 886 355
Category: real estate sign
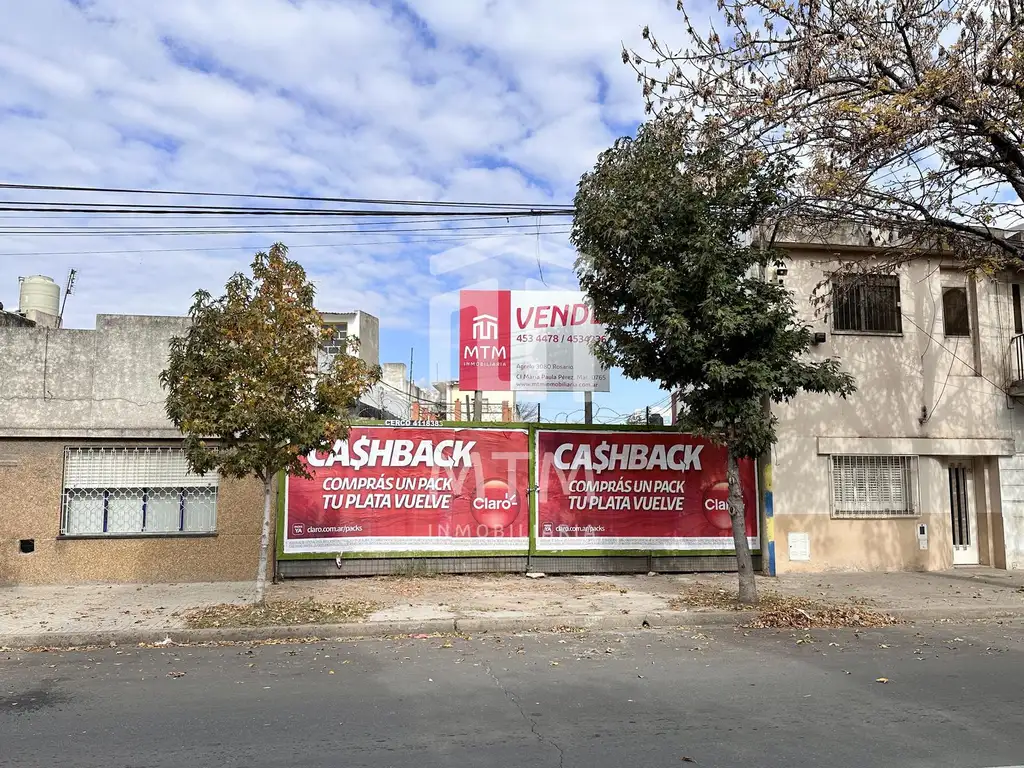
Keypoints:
pixel 528 341
pixel 655 491
pixel 392 489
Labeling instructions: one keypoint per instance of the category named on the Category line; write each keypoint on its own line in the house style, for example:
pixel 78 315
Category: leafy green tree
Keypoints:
pixel 663 232
pixel 244 385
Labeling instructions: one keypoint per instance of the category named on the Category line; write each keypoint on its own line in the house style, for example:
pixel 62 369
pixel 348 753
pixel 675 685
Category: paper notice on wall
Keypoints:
pixel 799 547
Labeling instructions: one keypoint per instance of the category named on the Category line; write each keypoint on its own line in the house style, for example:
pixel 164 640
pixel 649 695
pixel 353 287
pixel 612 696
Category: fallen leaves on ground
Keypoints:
pixel 784 612
pixel 701 595
pixel 282 613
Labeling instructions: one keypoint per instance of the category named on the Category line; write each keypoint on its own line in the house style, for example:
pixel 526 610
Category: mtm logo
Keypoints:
pixel 485 328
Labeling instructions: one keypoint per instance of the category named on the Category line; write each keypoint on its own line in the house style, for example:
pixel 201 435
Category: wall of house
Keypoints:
pixel 14 320
pixel 91 383
pixel 492 401
pixel 918 383
pixel 31 490
pixel 1011 488
pixel 919 393
pixel 60 387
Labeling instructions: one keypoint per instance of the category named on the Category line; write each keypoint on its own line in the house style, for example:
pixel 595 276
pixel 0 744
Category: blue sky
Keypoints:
pixel 504 100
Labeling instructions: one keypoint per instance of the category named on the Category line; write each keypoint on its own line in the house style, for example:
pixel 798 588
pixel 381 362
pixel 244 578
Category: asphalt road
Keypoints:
pixel 722 698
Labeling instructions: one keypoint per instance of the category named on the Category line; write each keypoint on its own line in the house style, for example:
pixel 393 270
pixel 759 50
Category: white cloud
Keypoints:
pixel 506 100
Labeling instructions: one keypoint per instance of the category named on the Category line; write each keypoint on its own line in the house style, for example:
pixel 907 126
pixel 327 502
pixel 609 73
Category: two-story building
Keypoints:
pixel 922 468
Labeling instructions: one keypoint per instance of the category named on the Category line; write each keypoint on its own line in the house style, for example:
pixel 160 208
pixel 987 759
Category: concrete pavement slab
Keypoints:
pixel 70 615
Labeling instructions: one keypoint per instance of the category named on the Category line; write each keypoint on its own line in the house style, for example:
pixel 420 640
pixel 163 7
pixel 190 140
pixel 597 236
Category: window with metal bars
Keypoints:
pixel 117 491
pixel 874 486
pixel 866 304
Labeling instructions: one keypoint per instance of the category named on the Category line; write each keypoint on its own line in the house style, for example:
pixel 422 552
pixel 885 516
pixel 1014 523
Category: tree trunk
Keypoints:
pixel 261 572
pixel 737 511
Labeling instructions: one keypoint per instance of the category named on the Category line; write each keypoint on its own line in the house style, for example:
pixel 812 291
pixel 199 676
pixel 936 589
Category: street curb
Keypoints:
pixel 958 615
pixel 372 629
pixel 661 619
pixel 470 625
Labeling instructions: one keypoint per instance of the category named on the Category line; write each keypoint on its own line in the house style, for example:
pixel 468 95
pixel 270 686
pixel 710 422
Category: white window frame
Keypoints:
pixel 108 490
pixel 878 496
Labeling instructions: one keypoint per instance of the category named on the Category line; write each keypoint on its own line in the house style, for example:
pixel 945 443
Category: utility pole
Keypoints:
pixel 478 406
pixel 69 288
pixel 588 407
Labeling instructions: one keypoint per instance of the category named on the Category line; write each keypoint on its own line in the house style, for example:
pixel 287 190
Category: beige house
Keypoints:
pixel 922 468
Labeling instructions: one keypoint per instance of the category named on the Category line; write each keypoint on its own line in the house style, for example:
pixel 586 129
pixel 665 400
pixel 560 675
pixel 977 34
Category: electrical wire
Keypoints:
pixel 407 240
pixel 409 395
pixel 187 231
pixel 74 223
pixel 101 209
pixel 955 356
pixel 254 196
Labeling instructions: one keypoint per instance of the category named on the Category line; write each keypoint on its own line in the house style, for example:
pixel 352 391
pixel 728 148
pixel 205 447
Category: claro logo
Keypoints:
pixel 496 505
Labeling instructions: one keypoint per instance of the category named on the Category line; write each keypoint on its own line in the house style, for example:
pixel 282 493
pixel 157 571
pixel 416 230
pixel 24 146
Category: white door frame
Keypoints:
pixel 963 513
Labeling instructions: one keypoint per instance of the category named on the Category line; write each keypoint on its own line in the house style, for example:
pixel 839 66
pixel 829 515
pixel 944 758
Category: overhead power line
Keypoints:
pixel 100 209
pixel 255 196
pixel 238 230
pixel 408 239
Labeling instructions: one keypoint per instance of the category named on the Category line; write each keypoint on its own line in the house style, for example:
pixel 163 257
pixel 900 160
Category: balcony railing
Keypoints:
pixel 1015 366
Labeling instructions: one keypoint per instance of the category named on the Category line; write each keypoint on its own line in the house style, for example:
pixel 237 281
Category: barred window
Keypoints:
pixel 866 304
pixel 112 491
pixel 874 486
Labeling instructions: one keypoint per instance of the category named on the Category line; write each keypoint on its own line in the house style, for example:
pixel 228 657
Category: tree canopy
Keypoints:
pixel 244 384
pixel 907 116
pixel 662 228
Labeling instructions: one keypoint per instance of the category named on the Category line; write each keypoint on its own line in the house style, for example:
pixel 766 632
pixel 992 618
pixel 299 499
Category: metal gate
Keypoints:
pixel 963 517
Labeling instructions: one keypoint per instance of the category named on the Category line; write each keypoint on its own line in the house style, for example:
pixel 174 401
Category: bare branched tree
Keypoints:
pixel 907 115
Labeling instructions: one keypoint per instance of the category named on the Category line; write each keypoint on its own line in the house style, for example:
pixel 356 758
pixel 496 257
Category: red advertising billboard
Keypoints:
pixel 529 341
pixel 412 489
pixel 664 491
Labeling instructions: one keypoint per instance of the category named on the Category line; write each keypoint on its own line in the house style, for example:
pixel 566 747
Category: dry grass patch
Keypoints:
pixel 281 613
pixel 782 611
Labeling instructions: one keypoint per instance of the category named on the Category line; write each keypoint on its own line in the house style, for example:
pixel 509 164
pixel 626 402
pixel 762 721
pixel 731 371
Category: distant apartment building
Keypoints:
pixel 361 326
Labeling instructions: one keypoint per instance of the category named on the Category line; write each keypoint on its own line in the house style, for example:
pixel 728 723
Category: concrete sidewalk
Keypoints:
pixel 100 614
